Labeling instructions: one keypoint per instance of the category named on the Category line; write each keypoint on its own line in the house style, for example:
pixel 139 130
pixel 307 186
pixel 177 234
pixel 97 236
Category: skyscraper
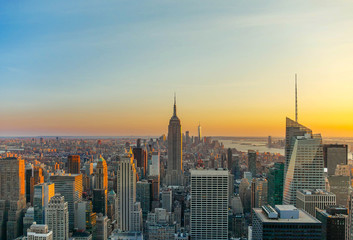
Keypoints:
pixel 199 133
pixel 42 194
pixel 209 204
pixel 36 178
pixel 293 130
pixel 335 154
pixel 57 217
pixel 252 162
pixel 155 166
pixel 100 193
pixel 275 185
pixel 74 162
pixel 140 155
pixel 12 197
pixel 69 186
pixel 306 167
pixel 175 164
pixel 126 187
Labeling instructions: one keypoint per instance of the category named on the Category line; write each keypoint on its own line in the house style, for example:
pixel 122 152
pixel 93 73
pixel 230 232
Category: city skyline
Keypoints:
pixel 232 65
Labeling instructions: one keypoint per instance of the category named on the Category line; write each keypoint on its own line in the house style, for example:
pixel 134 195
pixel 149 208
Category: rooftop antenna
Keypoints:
pixel 296 99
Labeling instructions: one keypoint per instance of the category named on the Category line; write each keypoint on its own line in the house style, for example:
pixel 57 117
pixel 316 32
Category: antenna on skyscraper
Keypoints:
pixel 296 99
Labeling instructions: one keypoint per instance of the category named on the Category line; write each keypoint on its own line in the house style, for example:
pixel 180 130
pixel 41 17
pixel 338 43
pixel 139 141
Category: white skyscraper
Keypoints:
pixel 126 187
pixel 57 217
pixel 155 166
pixel 209 204
pixel 305 167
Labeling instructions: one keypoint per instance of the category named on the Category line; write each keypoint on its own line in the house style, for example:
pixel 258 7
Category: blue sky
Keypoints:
pixel 119 61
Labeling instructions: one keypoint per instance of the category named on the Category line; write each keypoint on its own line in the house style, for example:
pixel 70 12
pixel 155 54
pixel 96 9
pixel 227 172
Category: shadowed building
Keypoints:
pixel 74 164
pixel 174 175
pixel 12 197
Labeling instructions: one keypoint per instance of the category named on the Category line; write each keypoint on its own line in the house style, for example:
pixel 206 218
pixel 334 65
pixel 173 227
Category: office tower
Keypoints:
pixel 159 225
pixel 112 205
pixel 309 200
pixel 143 195
pixel 335 154
pixel 275 184
pixel 140 155
pixel 155 166
pixel 136 217
pixel 293 130
pixel 167 199
pixel 42 194
pixel 69 186
pixel 229 159
pixel 174 174
pixel 155 184
pixel 57 217
pixel 29 181
pixel 199 133
pixel 340 186
pixel 350 216
pixel 100 193
pixel 209 204
pixel 101 232
pixel 126 187
pixel 39 232
pixel 252 162
pixel 284 222
pixel 12 197
pixel 244 188
pixel 306 167
pixel 258 192
pixel 187 137
pixel 334 222
pixel 37 178
pixel 28 220
pixel 74 164
pixel 86 218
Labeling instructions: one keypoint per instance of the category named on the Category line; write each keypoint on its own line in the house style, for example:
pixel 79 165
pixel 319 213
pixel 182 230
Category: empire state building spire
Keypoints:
pixel 174 113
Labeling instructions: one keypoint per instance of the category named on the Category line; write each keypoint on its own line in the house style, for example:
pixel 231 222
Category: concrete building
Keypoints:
pixel 39 232
pixel 69 186
pixel 57 217
pixel 130 235
pixel 258 192
pixel 155 166
pixel 309 200
pixel 340 186
pixel 167 199
pixel 101 232
pixel 28 220
pixel 143 195
pixel 284 222
pixel 209 204
pixel 174 176
pixel 12 197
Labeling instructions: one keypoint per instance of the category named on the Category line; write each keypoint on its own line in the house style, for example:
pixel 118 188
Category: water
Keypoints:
pixel 244 146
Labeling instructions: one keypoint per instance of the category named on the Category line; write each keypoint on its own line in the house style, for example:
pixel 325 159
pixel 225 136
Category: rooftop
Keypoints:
pixel 303 216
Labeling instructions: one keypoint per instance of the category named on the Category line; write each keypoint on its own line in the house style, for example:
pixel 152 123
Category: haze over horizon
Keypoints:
pixel 97 68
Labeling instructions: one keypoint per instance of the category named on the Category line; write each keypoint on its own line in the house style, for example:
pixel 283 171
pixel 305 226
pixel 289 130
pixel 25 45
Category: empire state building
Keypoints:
pixel 174 176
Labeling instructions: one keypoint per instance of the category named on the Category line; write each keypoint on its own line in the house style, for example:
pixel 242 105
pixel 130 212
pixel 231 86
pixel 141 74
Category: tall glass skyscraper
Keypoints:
pixel 305 168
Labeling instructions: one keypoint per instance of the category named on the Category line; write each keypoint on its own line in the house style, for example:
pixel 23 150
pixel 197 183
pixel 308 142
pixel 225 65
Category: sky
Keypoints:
pixel 110 68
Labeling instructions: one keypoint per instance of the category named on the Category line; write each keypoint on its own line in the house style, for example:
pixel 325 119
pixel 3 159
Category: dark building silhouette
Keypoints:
pixel 74 164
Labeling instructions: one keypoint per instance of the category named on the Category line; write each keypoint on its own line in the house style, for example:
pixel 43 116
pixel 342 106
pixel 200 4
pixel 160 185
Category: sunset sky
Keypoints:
pixel 111 68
